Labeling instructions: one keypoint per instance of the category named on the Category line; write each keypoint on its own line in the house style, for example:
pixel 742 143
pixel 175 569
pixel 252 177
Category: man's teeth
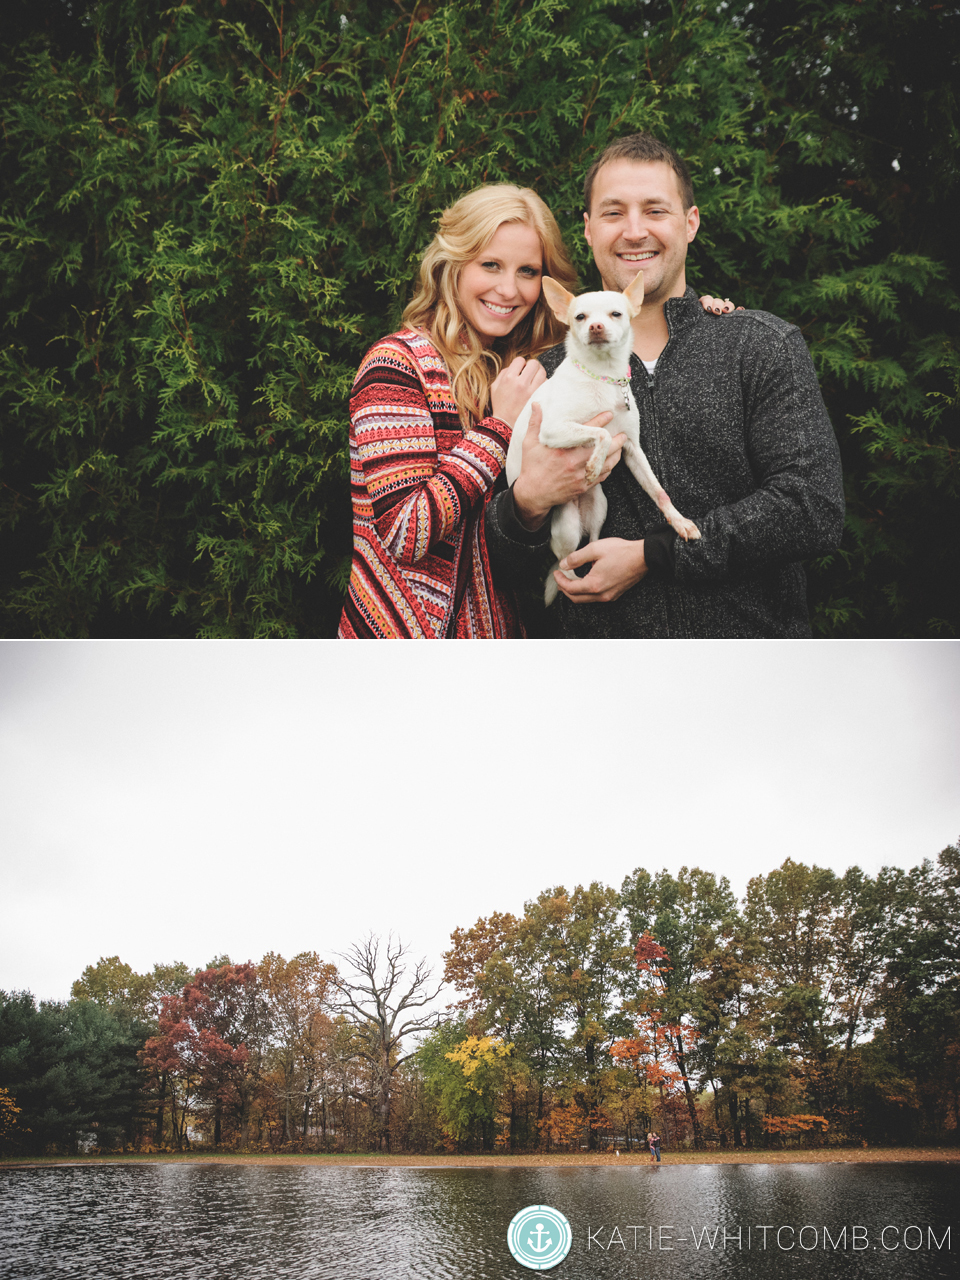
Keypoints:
pixel 500 311
pixel 638 257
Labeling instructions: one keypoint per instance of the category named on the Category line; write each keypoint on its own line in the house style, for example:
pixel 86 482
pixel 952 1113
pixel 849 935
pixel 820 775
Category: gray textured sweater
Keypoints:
pixel 735 429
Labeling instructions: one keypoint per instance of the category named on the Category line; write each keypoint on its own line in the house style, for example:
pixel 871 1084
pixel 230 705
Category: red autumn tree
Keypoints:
pixel 210 1038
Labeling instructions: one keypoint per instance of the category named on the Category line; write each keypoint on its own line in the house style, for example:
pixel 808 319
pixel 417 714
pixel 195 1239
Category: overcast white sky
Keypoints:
pixel 168 801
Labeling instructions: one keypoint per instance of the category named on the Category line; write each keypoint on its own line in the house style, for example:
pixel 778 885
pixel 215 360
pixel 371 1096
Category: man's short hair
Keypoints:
pixel 643 148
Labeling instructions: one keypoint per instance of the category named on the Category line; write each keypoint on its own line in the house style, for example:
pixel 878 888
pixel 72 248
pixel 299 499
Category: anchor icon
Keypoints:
pixel 539 1247
pixel 539 1237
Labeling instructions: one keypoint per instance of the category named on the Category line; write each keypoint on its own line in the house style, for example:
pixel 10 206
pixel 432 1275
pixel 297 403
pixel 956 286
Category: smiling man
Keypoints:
pixel 731 420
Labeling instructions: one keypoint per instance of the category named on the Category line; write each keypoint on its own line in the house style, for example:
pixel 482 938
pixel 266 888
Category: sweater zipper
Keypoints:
pixel 674 599
pixel 653 435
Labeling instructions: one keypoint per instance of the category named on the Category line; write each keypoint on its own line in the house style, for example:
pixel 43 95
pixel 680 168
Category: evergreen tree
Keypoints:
pixel 72 1069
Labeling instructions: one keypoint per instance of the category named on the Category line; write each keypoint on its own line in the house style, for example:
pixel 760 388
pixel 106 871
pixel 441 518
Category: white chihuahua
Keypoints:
pixel 594 376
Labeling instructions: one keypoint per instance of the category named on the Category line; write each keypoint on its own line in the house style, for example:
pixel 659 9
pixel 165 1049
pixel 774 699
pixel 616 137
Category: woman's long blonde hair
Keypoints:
pixel 466 228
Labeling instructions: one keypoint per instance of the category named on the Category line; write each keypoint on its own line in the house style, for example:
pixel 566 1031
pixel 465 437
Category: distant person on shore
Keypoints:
pixel 656 1145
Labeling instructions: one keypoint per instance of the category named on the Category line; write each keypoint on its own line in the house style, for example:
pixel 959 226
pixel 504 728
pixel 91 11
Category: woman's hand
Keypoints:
pixel 719 306
pixel 513 387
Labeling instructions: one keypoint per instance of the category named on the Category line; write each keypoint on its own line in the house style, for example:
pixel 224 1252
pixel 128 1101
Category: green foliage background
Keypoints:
pixel 209 211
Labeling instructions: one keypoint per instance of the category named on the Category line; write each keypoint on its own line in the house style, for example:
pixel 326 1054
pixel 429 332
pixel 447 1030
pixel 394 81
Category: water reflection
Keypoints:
pixel 202 1222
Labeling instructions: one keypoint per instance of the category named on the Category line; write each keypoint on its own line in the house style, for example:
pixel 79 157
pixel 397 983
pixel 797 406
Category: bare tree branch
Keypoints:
pixel 376 999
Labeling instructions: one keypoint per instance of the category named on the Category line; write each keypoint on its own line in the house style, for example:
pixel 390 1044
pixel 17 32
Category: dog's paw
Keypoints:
pixel 598 457
pixel 550 588
pixel 595 465
pixel 686 529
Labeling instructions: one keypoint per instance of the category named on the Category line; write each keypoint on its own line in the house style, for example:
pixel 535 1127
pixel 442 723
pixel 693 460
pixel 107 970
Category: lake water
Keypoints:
pixel 682 1222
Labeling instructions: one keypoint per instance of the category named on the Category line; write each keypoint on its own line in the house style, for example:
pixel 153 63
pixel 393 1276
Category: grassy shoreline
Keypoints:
pixel 834 1155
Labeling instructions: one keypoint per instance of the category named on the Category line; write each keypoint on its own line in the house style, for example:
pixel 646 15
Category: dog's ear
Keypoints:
pixel 558 300
pixel 634 292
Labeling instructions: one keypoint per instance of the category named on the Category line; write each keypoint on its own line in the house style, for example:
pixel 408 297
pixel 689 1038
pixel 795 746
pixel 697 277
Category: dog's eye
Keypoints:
pixel 616 314
pixel 581 316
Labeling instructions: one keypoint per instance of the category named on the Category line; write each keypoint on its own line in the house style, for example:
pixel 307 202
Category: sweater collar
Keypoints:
pixel 682 313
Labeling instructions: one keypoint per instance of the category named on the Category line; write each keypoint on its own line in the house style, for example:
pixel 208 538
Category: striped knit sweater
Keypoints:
pixel 419 484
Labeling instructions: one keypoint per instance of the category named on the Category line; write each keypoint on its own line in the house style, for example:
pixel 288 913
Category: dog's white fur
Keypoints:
pixel 600 338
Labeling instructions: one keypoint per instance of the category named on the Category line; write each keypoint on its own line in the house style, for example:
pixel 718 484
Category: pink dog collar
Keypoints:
pixel 622 383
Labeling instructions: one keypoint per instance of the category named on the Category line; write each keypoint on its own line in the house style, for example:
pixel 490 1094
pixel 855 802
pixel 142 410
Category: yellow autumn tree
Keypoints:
pixel 467 1076
pixel 477 1057
pixel 8 1119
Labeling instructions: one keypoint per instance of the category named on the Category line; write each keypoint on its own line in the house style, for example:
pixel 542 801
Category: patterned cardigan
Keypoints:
pixel 420 484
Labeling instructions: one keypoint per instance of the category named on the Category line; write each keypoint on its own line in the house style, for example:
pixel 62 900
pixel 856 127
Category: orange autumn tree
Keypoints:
pixel 298 995
pixel 563 1126
pixel 649 1054
pixel 795 1126
pixel 650 1057
pixel 658 1052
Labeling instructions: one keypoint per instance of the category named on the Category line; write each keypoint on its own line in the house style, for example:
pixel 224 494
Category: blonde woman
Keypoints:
pixel 431 413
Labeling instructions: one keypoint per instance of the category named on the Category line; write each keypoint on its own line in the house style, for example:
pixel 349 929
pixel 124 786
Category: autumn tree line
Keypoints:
pixel 820 1008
